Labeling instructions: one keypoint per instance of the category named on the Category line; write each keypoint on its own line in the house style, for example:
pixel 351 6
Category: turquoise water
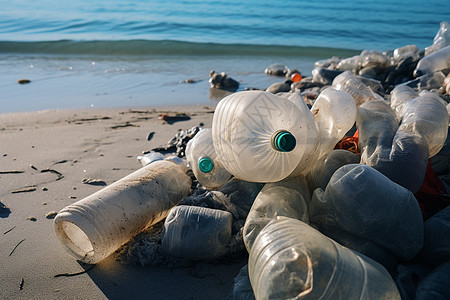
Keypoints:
pixel 138 53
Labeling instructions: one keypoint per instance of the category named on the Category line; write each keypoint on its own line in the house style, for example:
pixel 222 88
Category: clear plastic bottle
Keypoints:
pixel 292 260
pixel 202 158
pixel 441 39
pixel 335 114
pixel 258 136
pixel 405 51
pixel 351 84
pixel 289 197
pixel 434 62
pixel 96 226
pixel 361 201
pixel 196 232
pixel 323 170
pixel 150 157
pixel 398 153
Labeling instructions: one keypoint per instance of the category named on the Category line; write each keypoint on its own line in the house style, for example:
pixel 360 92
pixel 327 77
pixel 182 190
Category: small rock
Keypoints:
pixel 51 214
pixel 222 81
pixel 280 87
pixel 23 81
pixel 93 181
pixel 31 219
pixel 276 70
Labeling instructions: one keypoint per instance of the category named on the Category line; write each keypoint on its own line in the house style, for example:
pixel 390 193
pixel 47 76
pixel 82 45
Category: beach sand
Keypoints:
pixel 44 156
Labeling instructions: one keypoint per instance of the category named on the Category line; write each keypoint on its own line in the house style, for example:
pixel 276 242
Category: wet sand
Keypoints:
pixel 44 156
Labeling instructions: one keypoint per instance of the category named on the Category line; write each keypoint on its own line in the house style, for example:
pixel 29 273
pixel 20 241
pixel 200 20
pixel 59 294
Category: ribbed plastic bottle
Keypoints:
pixel 196 232
pixel 258 136
pixel 323 170
pixel 292 260
pixel 94 227
pixel 335 114
pixel 289 197
pixel 202 158
pixel 351 84
pixel 361 201
pixel 434 62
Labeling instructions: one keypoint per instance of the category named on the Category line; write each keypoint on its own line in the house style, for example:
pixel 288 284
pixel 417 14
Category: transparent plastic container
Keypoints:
pixel 361 201
pixel 323 170
pixel 335 114
pixel 96 226
pixel 351 84
pixel 202 158
pixel 292 260
pixel 405 51
pixel 401 155
pixel 150 157
pixel 434 62
pixel 312 137
pixel 289 197
pixel 196 232
pixel 441 40
pixel 258 136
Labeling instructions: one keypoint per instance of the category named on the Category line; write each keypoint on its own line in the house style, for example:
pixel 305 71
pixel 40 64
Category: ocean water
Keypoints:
pixel 99 53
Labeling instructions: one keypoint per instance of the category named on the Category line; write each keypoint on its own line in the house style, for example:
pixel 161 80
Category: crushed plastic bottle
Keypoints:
pixel 292 260
pixel 401 155
pixel 96 226
pixel 441 40
pixel 323 170
pixel 434 62
pixel 424 116
pixel 361 201
pixel 202 158
pixel 289 197
pixel 351 84
pixel 196 232
pixel 259 136
pixel 335 114
pixel 405 51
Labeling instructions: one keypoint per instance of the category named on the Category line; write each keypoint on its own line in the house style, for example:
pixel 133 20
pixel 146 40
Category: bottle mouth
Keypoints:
pixel 283 141
pixel 205 164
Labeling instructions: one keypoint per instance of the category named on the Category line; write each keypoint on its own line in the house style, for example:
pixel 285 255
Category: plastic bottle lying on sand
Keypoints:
pixel 289 197
pixel 196 232
pixel 335 114
pixel 361 201
pixel 441 39
pixel 149 158
pixel 291 260
pixel 202 158
pixel 434 62
pixel 94 227
pixel 259 136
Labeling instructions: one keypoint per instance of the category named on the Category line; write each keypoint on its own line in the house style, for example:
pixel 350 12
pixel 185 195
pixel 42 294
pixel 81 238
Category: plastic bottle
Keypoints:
pixel 150 157
pixel 335 114
pixel 361 201
pixel 323 170
pixel 292 260
pixel 424 115
pixel 196 232
pixel 434 62
pixel 441 39
pixel 405 51
pixel 351 84
pixel 400 154
pixel 258 136
pixel 94 227
pixel 289 197
pixel 202 158
pixel 311 139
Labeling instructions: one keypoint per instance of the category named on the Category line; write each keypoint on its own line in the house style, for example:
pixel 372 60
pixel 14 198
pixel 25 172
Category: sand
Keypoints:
pixel 44 156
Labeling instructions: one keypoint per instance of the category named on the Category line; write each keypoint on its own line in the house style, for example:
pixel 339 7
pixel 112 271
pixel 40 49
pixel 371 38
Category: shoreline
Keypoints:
pixel 99 144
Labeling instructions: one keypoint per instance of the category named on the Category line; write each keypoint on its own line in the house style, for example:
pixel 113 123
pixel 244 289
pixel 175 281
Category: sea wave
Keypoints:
pixel 165 47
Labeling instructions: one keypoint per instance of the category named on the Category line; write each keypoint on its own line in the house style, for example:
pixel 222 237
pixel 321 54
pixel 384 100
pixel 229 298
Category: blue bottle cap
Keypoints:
pixel 284 141
pixel 205 164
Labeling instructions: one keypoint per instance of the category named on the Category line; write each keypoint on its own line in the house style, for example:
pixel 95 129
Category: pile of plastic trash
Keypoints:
pixel 319 219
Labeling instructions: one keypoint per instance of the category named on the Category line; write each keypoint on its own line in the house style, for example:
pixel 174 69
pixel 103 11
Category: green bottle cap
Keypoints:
pixel 284 141
pixel 205 164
